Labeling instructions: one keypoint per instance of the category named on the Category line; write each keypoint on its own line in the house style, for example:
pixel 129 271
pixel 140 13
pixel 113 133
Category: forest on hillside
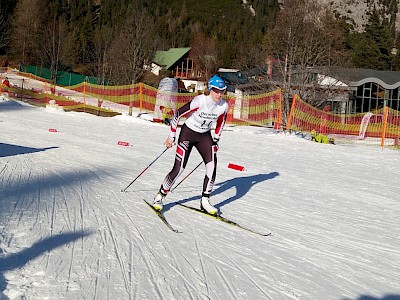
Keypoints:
pixel 114 39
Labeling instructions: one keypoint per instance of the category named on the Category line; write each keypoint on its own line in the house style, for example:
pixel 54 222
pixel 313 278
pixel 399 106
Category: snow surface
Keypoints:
pixel 67 231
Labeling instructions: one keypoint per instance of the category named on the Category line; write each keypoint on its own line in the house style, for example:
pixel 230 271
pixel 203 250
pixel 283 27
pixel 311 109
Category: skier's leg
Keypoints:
pixel 183 150
pixel 208 152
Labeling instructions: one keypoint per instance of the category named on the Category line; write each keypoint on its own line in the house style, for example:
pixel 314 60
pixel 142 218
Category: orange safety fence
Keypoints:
pixel 264 109
pixel 260 110
pixel 379 126
pixel 140 97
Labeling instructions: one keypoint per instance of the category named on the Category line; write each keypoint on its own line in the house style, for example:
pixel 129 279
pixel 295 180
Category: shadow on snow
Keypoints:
pixel 32 186
pixel 47 182
pixel 241 184
pixel 386 297
pixel 11 150
pixel 11 105
pixel 18 260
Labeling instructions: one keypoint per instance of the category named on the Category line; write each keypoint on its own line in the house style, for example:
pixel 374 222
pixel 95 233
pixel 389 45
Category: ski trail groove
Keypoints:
pixel 201 264
pixel 184 279
pixel 150 266
pixel 189 287
pixel 241 270
pixel 97 279
pixel 131 271
pixel 137 229
pixel 118 254
pixel 71 263
pixel 53 215
pixel 226 281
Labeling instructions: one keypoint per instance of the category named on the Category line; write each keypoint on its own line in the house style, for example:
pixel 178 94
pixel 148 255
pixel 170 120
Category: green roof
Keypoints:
pixel 168 58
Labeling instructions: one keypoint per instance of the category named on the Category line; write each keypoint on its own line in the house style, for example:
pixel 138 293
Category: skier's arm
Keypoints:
pixel 220 125
pixel 185 110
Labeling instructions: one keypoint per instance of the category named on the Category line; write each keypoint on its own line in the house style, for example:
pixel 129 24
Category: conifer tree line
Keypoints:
pixel 114 39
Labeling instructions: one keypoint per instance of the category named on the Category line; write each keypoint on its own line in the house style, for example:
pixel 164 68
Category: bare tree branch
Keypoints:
pixel 4 32
pixel 204 55
pixel 133 48
pixel 305 36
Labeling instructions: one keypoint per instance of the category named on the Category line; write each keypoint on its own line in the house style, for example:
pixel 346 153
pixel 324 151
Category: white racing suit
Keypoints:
pixel 201 113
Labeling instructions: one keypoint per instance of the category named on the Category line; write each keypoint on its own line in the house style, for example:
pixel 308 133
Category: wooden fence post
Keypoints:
pixel 385 118
pixel 140 96
pixel 84 96
pixel 280 109
pixel 289 123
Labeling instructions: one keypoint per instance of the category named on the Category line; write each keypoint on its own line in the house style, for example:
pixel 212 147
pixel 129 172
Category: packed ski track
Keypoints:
pixel 67 231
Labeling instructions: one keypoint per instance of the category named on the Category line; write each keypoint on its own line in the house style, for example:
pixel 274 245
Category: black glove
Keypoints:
pixel 215 143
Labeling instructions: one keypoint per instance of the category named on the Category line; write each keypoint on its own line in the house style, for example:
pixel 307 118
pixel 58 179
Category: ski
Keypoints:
pixel 162 217
pixel 223 219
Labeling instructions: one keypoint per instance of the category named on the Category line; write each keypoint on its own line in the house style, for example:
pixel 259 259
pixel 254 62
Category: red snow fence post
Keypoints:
pixel 125 144
pixel 236 167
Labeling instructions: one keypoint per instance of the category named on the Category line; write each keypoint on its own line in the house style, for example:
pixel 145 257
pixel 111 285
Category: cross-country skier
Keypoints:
pixel 201 113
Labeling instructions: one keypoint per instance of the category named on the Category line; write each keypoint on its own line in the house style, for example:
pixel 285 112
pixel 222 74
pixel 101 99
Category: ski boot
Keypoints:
pixel 206 205
pixel 158 200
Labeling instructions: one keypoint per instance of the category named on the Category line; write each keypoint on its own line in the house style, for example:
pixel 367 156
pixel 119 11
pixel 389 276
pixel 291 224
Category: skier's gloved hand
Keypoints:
pixel 215 144
pixel 169 142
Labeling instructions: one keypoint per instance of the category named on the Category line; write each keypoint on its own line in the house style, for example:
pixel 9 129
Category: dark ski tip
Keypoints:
pixel 162 217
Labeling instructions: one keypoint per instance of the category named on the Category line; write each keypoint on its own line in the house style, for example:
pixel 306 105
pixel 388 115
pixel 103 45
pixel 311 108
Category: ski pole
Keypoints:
pixel 186 176
pixel 144 170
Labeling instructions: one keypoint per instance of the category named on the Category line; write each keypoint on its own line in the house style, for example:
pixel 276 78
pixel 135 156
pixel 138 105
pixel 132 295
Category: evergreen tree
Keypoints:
pixel 366 53
pixel 372 48
pixel 6 9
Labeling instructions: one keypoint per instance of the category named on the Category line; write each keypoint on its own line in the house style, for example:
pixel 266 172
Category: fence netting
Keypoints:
pixel 380 127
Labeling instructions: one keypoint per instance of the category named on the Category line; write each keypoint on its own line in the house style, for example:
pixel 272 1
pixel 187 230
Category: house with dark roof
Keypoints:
pixel 371 89
pixel 355 90
pixel 358 90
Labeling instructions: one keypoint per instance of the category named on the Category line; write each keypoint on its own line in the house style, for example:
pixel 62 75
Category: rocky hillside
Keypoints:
pixel 356 11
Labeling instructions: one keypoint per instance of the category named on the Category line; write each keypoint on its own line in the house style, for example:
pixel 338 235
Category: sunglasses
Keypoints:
pixel 215 90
